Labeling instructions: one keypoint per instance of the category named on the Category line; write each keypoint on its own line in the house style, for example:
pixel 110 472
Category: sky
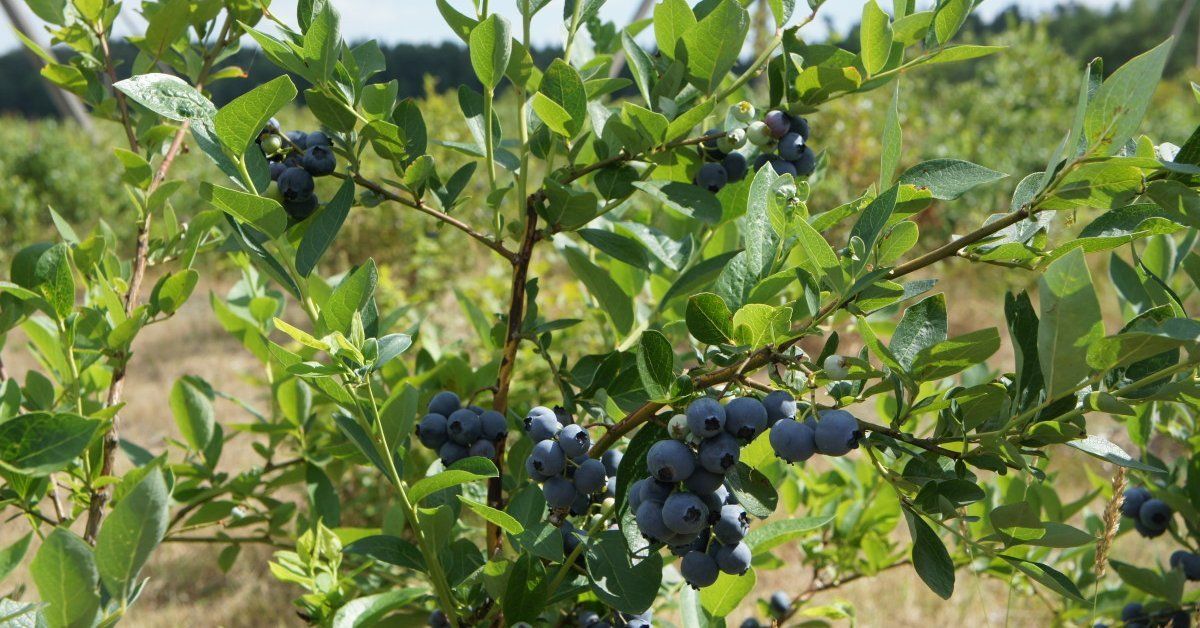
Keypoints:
pixel 418 21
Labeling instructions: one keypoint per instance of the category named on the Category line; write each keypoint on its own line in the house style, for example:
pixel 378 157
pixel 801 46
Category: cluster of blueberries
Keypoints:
pixel 1151 518
pixel 456 432
pixel 295 158
pixel 782 138
pixel 592 619
pixel 570 479
pixel 780 605
pixel 1134 615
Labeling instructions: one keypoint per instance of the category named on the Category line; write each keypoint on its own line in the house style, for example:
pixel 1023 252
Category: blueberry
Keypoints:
pixel 587 619
pixel 733 140
pixel 782 166
pixel 590 476
pixel 548 458
pixel 1155 514
pixel 610 487
pixel 649 518
pixel 633 494
pixel 317 138
pixel 758 134
pixel 1150 533
pixel 272 126
pixel 743 111
pixel 612 461
pixel 655 491
pixel 534 474
pixel 1133 611
pixel 720 453
pixel 638 621
pixel 464 427
pixel 575 440
pixel 559 492
pixel 780 604
pixel 735 166
pixel 750 622
pixel 444 403
pixel 580 505
pixel 799 125
pixel 725 496
pixel 837 433
pixel 712 177
pixel 1181 619
pixel 715 503
pixel 792 441
pixel 670 461
pixel 319 161
pixel 733 559
pixel 778 122
pixel 452 452
pixel 484 449
pixel 706 417
pixel 780 404
pixel 431 431
pixel 685 513
pixel 1188 562
pixel 542 424
pixel 677 427
pixel 745 418
pixel 791 146
pixel 710 146
pixel 476 409
pixel 271 144
pixel 276 169
pixel 296 184
pixel 492 425
pixel 732 525
pixel 699 569
pixel 302 208
pixel 1134 498
pixel 438 619
pixel 806 164
pixel 299 138
pixel 835 367
pixel 703 482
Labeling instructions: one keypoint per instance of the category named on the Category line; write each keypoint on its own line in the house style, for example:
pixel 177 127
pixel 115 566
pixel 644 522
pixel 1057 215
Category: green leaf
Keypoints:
pixel 758 324
pixel 372 610
pixel 243 118
pixel 10 557
pixel 351 295
pixel 949 17
pixel 461 472
pixel 656 364
pixel 875 37
pixel 723 596
pixel 686 199
pixel 191 404
pixel 323 229
pixel 923 326
pixel 772 534
pixel 1048 576
pixel 174 289
pixel 641 66
pixel 820 258
pixel 491 47
pixel 563 85
pixel 672 19
pixel 130 533
pixel 623 248
pixel 525 593
pixel 951 54
pixel 321 44
pixel 551 113
pixel 955 355
pixel 42 443
pixel 502 519
pixel 392 550
pixel 168 96
pixel 607 293
pixel 1116 110
pixel 929 556
pixel 1070 323
pixel 875 217
pixel 264 214
pixel 709 319
pixel 55 280
pixel 948 179
pixel 714 43
pixel 64 572
pixel 1103 449
pixel 892 141
pixel 753 490
pixel 616 580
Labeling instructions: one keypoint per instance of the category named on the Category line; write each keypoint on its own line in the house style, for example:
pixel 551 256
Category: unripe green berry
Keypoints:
pixel 733 140
pixel 758 133
pixel 677 427
pixel 271 144
pixel 743 111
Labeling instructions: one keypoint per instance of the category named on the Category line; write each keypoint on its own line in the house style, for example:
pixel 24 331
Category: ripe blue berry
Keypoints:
pixel 1155 514
pixel 655 491
pixel 463 426
pixel 548 458
pixel 302 208
pixel 699 569
pixel 806 163
pixel 299 138
pixel 732 525
pixel 780 404
pixel 712 177
pixel 670 461
pixel 800 125
pixel 295 184
pixel 317 138
pixel 590 476
pixel 750 622
pixel 1133 611
pixel 837 433
pixel 319 161
pixel 745 418
pixel 559 492
pixel 452 452
pixel 431 431
pixel 706 417
pixel 1134 498
pixel 492 425
pixel 778 122
pixel 1147 532
pixel 791 146
pixel 710 146
pixel 580 505
pixel 588 619
pixel 541 423
pixel 733 559
pixel 735 166
pixel 637 621
pixel 685 513
pixel 438 619
pixel 534 474
pixel 703 482
pixel 720 453
pixel 276 169
pixel 782 166
pixel 575 440
pixel 1187 561
pixel 649 518
pixel 484 449
pixel 792 441
pixel 780 604
pixel 444 403
pixel 612 460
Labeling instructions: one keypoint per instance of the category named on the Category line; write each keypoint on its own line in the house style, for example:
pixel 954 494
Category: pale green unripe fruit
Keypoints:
pixel 759 134
pixel 743 111
pixel 733 140
pixel 835 367
pixel 271 144
pixel 677 427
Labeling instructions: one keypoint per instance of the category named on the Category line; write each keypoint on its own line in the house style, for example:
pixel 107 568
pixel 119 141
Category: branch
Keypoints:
pixel 420 206
pixel 623 156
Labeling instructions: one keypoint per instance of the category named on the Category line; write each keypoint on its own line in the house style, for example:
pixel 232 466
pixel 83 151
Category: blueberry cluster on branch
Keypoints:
pixel 782 139
pixel 455 432
pixel 295 158
pixel 570 479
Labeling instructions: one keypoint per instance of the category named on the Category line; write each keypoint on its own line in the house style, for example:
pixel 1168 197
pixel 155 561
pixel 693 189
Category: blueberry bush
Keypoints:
pixel 755 371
